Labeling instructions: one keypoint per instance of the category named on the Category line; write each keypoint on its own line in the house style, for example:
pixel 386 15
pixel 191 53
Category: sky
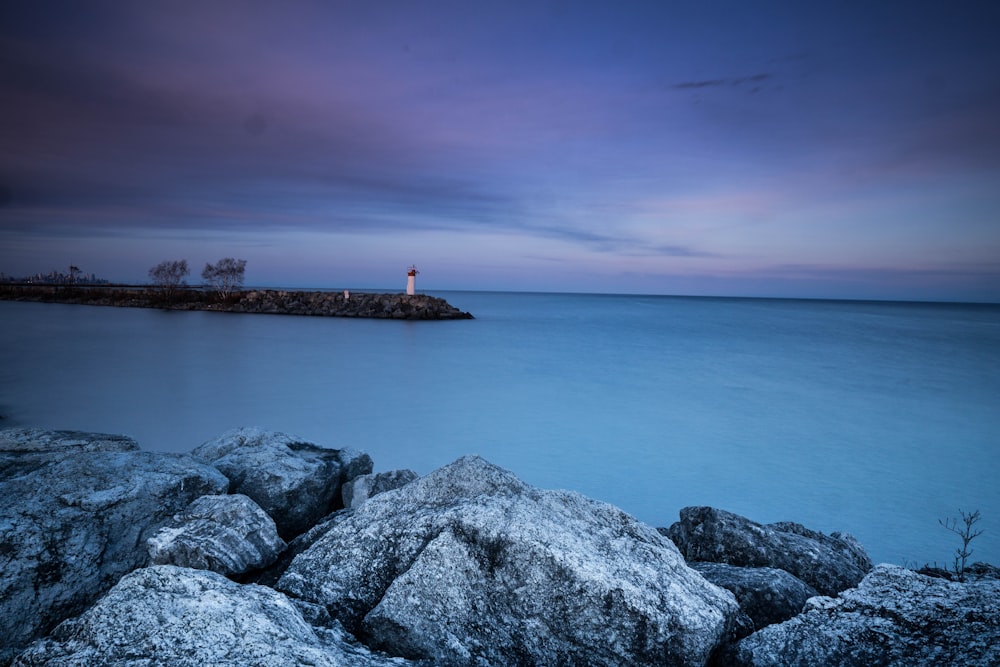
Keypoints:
pixel 793 149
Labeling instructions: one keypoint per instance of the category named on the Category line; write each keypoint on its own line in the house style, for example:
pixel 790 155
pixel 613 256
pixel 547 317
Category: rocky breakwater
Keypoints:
pixel 271 302
pixel 176 559
pixel 333 304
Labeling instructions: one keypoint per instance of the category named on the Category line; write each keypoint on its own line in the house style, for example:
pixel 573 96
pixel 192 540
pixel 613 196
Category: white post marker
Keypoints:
pixel 411 280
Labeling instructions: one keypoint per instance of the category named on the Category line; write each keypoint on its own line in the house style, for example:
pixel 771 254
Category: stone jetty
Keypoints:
pixel 386 306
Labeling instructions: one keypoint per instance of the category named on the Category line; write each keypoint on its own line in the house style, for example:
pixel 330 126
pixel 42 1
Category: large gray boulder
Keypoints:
pixel 894 617
pixel 166 615
pixel 765 594
pixel 828 563
pixel 75 518
pixel 22 449
pixel 363 487
pixel 296 482
pixel 40 441
pixel 469 565
pixel 226 534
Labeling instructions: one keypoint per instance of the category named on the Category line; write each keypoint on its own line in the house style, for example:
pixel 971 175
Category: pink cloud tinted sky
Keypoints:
pixel 777 148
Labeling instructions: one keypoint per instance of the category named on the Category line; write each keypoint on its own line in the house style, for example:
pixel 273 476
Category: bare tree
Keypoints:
pixel 225 276
pixel 967 534
pixel 168 275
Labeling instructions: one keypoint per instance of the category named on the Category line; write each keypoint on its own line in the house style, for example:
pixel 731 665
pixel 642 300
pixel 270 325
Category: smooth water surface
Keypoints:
pixel 871 418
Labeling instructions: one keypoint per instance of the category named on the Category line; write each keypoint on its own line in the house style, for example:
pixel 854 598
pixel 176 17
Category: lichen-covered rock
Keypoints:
pixel 166 615
pixel 363 487
pixel 894 617
pixel 42 441
pixel 227 534
pixel 469 565
pixel 828 563
pixel 76 519
pixel 296 482
pixel 353 464
pixel 974 572
pixel 21 449
pixel 765 594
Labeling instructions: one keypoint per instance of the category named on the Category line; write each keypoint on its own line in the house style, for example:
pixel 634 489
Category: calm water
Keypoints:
pixel 876 419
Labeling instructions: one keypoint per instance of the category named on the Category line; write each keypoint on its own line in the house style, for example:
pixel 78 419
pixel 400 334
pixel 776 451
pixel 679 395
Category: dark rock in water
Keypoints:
pixel 226 534
pixel 972 572
pixel 76 518
pixel 978 571
pixel 363 487
pixel 353 464
pixel 765 594
pixel 469 565
pixel 893 617
pixel 844 544
pixel 166 615
pixel 828 563
pixel 296 482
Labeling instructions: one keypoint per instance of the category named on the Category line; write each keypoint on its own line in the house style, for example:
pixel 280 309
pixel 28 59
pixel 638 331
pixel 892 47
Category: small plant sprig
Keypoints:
pixel 965 531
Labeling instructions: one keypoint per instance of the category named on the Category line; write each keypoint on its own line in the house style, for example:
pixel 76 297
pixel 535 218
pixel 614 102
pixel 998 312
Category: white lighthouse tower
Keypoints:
pixel 411 280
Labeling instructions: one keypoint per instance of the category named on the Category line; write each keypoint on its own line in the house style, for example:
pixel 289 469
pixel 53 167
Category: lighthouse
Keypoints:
pixel 411 280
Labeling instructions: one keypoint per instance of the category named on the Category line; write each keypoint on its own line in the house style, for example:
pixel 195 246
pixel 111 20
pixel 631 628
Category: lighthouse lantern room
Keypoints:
pixel 411 280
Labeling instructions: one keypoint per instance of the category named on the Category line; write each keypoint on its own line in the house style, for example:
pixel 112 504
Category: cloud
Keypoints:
pixel 151 146
pixel 710 83
pixel 719 83
pixel 104 145
pixel 966 273
pixel 607 243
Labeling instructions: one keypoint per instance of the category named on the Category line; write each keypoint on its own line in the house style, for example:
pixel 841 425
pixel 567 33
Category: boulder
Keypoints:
pixel 765 594
pixel 166 615
pixel 22 449
pixel 296 482
pixel 828 563
pixel 974 571
pixel 25 441
pixel 894 617
pixel 469 565
pixel 226 534
pixel 363 487
pixel 76 518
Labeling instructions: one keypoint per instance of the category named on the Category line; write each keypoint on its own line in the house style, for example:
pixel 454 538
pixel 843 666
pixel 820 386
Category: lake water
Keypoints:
pixel 871 418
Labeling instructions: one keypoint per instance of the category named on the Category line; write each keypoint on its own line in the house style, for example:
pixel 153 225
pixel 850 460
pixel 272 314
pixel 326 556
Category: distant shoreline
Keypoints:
pixel 259 301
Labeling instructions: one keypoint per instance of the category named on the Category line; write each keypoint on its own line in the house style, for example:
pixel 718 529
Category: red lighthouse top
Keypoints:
pixel 413 271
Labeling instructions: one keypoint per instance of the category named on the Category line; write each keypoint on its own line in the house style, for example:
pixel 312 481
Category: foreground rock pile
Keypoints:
pixel 272 302
pixel 113 556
